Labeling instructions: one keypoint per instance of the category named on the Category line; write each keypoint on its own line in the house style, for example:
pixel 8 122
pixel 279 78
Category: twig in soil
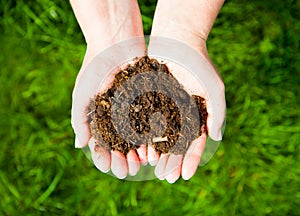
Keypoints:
pixel 90 112
pixel 159 139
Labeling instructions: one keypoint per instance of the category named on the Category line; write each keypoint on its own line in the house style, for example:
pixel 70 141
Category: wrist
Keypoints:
pixel 105 22
pixel 183 34
pixel 189 21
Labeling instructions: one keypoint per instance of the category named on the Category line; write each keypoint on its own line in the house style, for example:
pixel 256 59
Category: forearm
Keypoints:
pixel 108 21
pixel 185 20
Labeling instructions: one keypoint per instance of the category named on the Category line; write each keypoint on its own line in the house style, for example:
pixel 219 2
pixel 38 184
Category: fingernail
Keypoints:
pixel 219 135
pixel 185 177
pixel 216 135
pixel 77 143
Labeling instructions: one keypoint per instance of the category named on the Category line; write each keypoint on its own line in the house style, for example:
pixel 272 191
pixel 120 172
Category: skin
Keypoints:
pixel 107 22
pixel 103 24
pixel 189 22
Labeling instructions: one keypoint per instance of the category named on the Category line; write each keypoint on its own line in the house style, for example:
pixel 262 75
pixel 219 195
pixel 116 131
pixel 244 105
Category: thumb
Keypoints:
pixel 216 119
pixel 81 136
pixel 79 120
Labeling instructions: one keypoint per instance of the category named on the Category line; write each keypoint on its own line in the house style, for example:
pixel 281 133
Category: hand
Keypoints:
pixel 105 23
pixel 171 166
pixel 181 24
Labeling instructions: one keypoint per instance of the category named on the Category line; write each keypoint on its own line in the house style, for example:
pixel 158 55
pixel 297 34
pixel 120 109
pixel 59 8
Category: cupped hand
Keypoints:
pixel 188 23
pixel 171 166
pixel 210 87
pixel 104 24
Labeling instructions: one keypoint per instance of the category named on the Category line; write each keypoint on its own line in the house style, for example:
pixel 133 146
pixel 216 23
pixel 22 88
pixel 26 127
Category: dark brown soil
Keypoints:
pixel 152 117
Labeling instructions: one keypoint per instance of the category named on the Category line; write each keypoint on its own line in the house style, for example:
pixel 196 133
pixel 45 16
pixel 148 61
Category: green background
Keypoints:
pixel 256 170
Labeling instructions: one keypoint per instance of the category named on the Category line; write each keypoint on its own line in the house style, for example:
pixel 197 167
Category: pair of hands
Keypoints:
pixel 107 22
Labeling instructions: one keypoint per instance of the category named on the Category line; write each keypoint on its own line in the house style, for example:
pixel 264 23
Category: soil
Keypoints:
pixel 146 111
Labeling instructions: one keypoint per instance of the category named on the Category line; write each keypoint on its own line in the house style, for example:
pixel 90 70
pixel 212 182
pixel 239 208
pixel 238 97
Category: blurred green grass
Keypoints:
pixel 255 46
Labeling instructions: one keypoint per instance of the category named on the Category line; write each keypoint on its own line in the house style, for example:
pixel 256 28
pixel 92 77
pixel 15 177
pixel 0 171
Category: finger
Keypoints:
pixel 142 154
pixel 173 168
pixel 153 156
pixel 80 124
pixel 79 118
pixel 82 136
pixel 100 156
pixel 192 157
pixel 216 106
pixel 161 166
pixel 118 164
pixel 215 120
pixel 133 162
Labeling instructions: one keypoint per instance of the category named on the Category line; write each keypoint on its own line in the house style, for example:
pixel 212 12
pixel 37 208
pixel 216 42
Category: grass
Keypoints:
pixel 255 46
